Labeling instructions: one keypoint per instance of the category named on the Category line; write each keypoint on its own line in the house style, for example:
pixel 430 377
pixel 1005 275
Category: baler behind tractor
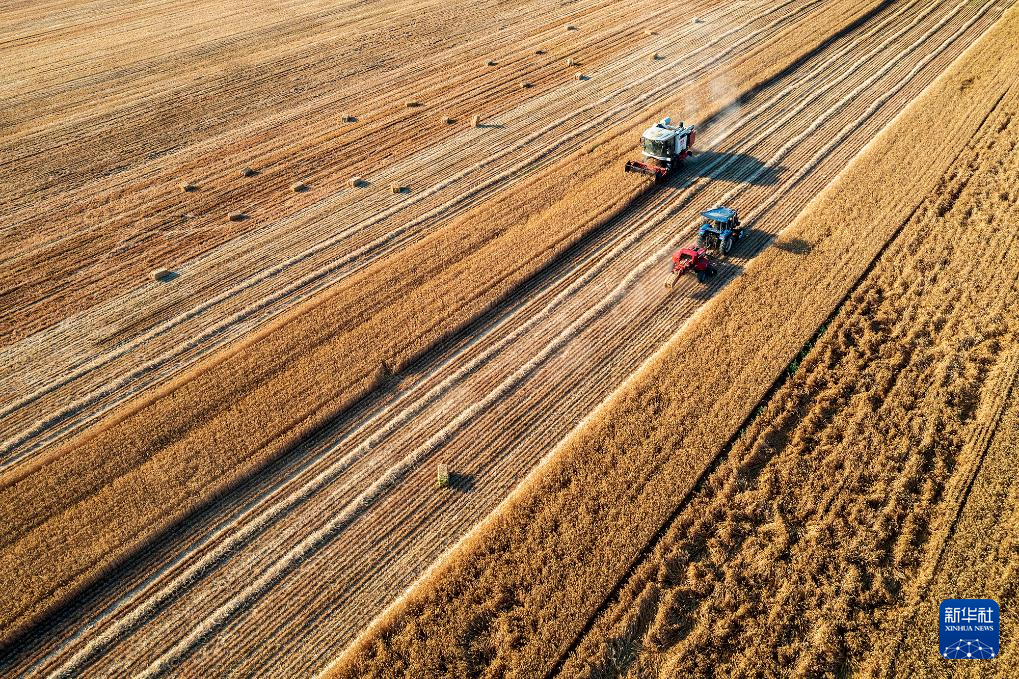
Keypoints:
pixel 691 258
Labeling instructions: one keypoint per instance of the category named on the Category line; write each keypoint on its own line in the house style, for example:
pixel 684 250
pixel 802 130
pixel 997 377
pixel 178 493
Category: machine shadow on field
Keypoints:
pixel 727 272
pixel 739 168
pixel 167 276
pixel 796 246
pixel 463 483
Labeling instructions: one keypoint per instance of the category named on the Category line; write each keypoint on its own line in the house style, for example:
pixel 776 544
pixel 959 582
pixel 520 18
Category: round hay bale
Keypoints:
pixel 475 121
pixel 524 85
pixel 355 182
pixel 247 172
pixel 237 216
pixel 188 187
pixel 413 103
pixel 299 187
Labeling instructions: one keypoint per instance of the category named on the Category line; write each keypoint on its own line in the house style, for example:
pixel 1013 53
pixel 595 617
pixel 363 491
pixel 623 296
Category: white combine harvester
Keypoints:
pixel 664 147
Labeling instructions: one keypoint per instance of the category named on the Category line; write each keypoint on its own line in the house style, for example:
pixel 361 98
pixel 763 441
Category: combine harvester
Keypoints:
pixel 664 147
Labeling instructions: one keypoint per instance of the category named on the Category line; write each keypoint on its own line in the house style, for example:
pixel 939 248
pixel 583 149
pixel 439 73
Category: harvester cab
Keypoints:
pixel 721 230
pixel 664 147
pixel 691 258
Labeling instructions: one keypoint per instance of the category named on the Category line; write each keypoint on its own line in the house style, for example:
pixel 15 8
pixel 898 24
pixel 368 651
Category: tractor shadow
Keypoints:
pixel 733 266
pixel 796 246
pixel 733 167
pixel 728 271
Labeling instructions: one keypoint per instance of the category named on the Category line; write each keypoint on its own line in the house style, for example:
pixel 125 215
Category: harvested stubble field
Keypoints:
pixel 268 501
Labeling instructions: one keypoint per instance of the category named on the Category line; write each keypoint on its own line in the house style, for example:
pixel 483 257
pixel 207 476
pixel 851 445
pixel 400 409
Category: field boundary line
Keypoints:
pixel 829 242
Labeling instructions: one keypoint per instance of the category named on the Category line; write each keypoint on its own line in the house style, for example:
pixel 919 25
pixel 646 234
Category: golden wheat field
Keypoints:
pixel 335 341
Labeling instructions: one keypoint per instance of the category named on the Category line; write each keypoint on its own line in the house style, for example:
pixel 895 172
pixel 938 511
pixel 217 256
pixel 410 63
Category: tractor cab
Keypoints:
pixel 720 230
pixel 663 147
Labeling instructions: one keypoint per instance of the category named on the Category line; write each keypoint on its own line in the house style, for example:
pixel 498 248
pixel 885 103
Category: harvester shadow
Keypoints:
pixel 463 483
pixel 733 167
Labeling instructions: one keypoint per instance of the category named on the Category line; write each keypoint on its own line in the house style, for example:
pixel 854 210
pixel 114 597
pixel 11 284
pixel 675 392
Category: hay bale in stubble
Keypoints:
pixel 299 187
pixel 412 103
pixel 160 274
pixel 475 121
pixel 247 172
pixel 237 216
pixel 355 182
pixel 442 475
pixel 348 118
pixel 188 187
pixel 525 85
pixel 398 188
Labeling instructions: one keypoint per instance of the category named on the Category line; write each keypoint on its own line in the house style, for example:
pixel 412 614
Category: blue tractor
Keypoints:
pixel 721 230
